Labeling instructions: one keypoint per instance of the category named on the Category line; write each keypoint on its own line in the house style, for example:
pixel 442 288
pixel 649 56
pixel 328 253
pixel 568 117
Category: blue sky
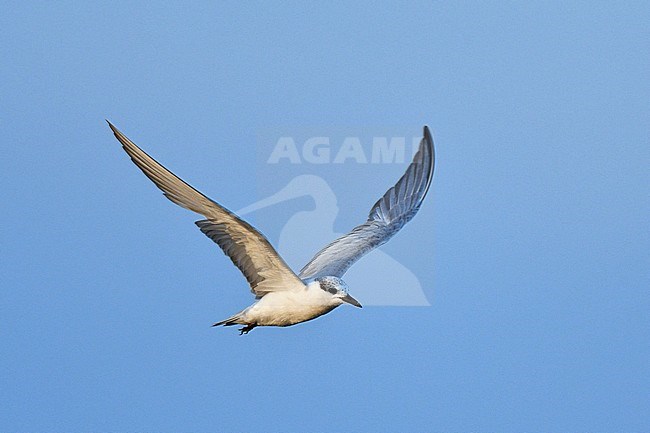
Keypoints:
pixel 532 244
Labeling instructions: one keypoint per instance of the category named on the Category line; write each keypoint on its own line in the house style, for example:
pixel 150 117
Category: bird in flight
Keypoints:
pixel 283 298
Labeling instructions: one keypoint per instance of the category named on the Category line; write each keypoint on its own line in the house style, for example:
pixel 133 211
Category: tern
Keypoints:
pixel 282 297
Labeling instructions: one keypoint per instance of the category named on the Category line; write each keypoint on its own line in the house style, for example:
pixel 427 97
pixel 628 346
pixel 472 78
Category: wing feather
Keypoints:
pixel 248 249
pixel 389 214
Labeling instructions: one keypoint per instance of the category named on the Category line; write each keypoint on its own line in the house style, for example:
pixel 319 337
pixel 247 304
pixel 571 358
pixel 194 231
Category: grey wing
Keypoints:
pixel 391 212
pixel 248 249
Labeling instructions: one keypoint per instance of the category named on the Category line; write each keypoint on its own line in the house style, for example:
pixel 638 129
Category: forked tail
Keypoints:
pixel 234 320
pixel 237 319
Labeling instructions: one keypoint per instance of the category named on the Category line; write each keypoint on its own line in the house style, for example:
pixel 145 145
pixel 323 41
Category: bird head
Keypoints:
pixel 338 289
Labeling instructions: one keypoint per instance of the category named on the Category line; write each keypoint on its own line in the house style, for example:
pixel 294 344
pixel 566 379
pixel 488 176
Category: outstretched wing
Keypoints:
pixel 391 212
pixel 248 249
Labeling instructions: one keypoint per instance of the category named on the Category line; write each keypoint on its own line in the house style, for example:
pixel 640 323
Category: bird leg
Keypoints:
pixel 246 329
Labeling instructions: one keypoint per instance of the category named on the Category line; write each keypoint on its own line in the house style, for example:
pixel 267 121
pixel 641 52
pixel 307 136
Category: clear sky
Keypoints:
pixel 532 246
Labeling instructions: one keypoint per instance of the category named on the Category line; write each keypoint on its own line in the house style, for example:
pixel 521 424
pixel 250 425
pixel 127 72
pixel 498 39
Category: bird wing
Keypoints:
pixel 248 249
pixel 391 212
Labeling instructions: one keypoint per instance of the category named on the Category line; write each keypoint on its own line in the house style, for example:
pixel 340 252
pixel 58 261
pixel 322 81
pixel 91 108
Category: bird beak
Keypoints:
pixel 350 300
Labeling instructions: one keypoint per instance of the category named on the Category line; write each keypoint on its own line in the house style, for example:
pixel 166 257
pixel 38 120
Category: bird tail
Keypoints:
pixel 237 319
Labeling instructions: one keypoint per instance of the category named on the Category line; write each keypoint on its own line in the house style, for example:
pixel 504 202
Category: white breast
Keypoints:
pixel 284 308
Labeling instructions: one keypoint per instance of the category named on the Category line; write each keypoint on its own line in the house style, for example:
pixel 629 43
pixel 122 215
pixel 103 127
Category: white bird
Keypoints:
pixel 282 297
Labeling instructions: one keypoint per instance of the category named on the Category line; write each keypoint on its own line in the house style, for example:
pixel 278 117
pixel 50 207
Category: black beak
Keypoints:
pixel 350 300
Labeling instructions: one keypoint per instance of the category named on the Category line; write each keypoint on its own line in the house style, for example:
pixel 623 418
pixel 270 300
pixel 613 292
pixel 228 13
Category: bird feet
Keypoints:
pixel 246 329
